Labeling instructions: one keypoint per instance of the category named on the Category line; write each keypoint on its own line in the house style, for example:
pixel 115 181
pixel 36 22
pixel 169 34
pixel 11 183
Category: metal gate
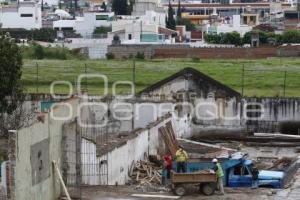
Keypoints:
pixel 83 160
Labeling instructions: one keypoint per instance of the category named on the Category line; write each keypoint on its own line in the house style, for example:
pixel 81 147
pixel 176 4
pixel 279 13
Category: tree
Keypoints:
pixel 187 23
pixel 104 7
pixel 171 24
pixel 179 10
pixel 11 95
pixel 232 38
pixel 291 36
pixel 120 7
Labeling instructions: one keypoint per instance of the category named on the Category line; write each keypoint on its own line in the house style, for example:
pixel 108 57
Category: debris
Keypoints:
pixel 147 176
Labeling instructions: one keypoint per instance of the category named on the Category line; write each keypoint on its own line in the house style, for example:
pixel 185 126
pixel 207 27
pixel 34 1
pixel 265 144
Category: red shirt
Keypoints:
pixel 168 160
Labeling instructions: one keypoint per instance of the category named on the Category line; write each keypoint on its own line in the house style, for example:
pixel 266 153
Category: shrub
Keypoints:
pixel 291 36
pixel 110 56
pixel 102 30
pixel 36 51
pixel 140 56
pixel 39 52
pixel 43 34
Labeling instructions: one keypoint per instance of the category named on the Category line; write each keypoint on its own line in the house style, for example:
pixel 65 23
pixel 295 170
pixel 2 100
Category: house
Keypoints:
pixel 231 25
pixel 188 84
pixel 26 14
pixel 85 25
pixel 140 7
pixel 149 28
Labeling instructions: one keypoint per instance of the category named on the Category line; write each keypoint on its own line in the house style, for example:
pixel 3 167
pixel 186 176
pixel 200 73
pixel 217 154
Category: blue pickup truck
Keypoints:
pixel 237 172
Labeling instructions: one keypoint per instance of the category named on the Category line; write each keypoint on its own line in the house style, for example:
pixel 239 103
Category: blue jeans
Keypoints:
pixel 181 167
pixel 254 184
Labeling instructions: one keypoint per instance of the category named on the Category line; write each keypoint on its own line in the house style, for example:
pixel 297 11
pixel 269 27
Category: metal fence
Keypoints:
pixel 249 81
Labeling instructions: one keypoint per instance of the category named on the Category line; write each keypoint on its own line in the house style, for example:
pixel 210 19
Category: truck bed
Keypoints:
pixel 196 177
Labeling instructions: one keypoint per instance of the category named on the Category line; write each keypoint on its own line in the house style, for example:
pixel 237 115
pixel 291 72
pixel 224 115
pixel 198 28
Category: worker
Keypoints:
pixel 255 173
pixel 219 172
pixel 167 167
pixel 181 159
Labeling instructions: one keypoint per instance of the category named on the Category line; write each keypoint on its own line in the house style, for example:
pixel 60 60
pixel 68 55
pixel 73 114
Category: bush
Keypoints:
pixel 110 56
pixel 43 34
pixel 188 24
pixel 102 30
pixel 39 52
pixel 36 51
pixel 224 38
pixel 291 36
pixel 140 56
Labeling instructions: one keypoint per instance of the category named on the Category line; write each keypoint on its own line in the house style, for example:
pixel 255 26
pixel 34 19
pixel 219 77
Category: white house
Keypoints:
pixel 234 25
pixel 149 28
pixel 141 6
pixel 86 25
pixel 27 15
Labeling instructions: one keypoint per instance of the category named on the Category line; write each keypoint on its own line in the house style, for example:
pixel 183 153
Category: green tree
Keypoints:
pixel 120 7
pixel 179 10
pixel 104 7
pixel 291 36
pixel 171 23
pixel 232 38
pixel 10 72
pixel 187 23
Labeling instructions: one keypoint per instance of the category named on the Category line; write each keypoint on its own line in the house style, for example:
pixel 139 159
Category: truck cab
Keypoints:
pixel 240 175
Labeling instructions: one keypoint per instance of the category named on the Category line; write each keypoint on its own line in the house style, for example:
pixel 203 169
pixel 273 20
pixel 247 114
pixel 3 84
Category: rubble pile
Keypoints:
pixel 147 176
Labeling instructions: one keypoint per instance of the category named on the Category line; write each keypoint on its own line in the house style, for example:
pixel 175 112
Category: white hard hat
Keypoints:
pixel 214 160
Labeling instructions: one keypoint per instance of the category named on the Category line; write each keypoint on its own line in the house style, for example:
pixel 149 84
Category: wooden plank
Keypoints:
pixel 61 180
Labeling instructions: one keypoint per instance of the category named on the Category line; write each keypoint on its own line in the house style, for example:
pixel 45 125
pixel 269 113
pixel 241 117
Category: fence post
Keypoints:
pixel 37 78
pixel 284 83
pixel 243 75
pixel 133 77
pixel 85 72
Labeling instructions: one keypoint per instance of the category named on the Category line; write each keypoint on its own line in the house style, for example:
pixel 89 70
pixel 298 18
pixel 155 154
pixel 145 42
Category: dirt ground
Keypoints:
pixel 125 192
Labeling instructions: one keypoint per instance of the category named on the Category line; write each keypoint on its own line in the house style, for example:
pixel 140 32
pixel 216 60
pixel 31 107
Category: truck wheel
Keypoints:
pixel 208 188
pixel 180 190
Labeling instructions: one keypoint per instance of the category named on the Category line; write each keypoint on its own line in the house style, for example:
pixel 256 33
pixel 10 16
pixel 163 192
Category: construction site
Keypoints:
pixel 114 147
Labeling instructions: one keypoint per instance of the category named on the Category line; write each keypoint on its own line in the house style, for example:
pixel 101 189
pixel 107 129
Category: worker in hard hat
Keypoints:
pixel 181 158
pixel 219 172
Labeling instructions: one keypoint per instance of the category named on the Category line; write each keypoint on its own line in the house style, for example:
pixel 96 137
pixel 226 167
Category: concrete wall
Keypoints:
pixel 229 114
pixel 144 142
pixel 34 148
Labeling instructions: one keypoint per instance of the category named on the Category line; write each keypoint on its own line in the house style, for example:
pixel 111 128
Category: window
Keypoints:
pixel 26 15
pixel 238 170
pixel 101 17
pixel 129 36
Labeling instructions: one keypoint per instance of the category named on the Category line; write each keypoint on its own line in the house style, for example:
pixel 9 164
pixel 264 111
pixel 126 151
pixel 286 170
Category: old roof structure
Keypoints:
pixel 202 81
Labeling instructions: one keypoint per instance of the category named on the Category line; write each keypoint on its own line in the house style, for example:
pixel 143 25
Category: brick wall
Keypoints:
pixel 184 51
pixel 261 52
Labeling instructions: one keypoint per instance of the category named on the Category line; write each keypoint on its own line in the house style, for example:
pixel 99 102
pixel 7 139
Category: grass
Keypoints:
pixel 263 77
